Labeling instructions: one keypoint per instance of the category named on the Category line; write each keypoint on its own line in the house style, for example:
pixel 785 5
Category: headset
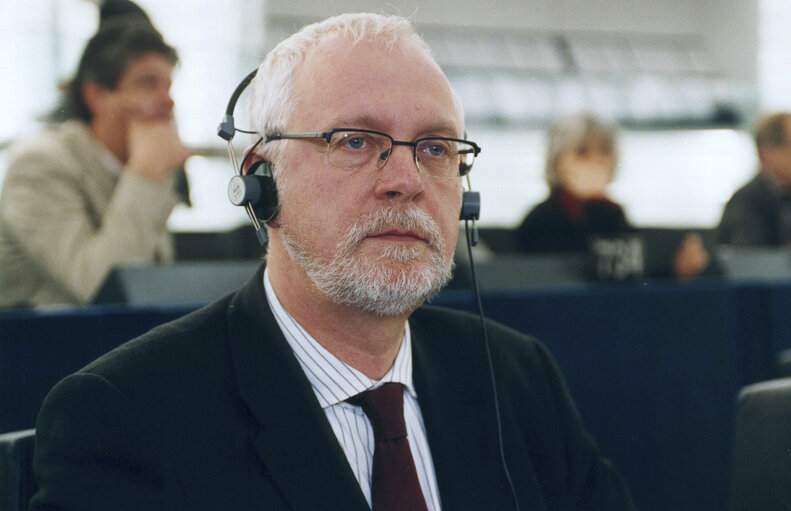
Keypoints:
pixel 254 189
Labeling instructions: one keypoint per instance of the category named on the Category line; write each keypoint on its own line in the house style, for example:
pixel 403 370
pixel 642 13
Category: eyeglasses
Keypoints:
pixel 355 149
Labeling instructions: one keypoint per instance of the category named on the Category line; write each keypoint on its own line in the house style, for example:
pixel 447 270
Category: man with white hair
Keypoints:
pixel 325 383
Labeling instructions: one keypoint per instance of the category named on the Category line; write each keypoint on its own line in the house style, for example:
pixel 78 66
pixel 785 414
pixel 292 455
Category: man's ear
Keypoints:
pixel 266 172
pixel 93 95
pixel 249 159
pixel 766 155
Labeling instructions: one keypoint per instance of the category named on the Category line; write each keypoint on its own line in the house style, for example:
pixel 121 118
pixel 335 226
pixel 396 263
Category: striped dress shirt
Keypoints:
pixel 334 381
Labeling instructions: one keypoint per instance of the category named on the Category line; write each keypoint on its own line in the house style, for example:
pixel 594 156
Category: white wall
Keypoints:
pixel 728 27
pixel 668 16
pixel 774 57
pixel 731 30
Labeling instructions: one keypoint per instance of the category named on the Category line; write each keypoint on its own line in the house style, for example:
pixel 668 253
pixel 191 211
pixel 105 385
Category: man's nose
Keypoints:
pixel 399 178
pixel 166 99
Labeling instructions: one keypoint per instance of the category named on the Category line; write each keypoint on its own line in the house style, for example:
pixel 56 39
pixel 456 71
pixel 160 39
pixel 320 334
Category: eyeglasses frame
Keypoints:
pixel 327 136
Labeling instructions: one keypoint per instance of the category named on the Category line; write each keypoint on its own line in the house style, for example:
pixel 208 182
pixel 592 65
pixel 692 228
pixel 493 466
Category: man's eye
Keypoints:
pixel 435 149
pixel 147 82
pixel 356 142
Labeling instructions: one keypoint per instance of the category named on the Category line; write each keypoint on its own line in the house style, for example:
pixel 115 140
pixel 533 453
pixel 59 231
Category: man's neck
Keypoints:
pixel 110 137
pixel 363 340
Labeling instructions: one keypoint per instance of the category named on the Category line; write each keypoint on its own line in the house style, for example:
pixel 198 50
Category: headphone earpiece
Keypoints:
pixel 256 186
pixel 470 205
pixel 470 211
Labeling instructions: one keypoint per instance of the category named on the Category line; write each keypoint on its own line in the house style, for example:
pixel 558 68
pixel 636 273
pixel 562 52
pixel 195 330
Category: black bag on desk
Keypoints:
pixel 180 283
pixel 616 258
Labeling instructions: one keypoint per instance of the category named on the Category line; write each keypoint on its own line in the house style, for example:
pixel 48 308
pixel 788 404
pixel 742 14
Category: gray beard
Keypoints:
pixel 396 282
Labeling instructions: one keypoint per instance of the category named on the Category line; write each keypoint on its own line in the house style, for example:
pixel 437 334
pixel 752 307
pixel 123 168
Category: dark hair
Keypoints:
pixel 771 130
pixel 108 54
pixel 112 10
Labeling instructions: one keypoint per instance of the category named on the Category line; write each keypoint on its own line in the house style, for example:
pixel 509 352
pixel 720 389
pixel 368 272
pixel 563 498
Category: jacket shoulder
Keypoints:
pixel 458 328
pixel 54 153
pixel 55 141
pixel 178 344
pixel 759 188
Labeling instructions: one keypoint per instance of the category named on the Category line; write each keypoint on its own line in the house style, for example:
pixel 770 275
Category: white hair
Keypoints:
pixel 272 100
pixel 571 132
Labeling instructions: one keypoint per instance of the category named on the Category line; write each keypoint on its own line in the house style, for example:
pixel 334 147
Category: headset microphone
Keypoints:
pixel 226 130
pixel 252 188
pixel 470 212
pixel 471 203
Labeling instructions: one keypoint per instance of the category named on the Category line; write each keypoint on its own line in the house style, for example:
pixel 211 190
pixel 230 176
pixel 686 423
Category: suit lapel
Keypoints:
pixel 455 395
pixel 97 178
pixel 296 443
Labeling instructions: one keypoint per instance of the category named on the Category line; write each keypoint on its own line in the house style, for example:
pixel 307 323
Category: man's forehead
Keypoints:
pixel 148 62
pixel 373 86
pixel 335 50
pixel 385 121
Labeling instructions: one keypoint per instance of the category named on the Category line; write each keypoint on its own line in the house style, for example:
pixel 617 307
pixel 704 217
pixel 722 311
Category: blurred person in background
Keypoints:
pixel 96 190
pixel 759 213
pixel 581 160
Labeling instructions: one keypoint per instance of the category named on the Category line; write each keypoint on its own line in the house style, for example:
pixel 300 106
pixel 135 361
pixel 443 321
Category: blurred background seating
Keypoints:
pixel 762 448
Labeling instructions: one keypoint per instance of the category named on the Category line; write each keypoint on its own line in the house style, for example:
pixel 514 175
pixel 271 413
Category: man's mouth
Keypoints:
pixel 407 228
pixel 398 235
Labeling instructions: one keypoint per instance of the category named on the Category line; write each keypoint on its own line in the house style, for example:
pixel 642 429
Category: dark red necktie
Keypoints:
pixel 394 482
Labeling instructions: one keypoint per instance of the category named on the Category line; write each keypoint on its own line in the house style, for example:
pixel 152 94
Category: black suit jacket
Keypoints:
pixel 753 215
pixel 212 411
pixel 551 226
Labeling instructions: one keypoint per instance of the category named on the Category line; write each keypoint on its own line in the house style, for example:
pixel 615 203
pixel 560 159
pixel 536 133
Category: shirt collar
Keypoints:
pixel 109 159
pixel 333 380
pixel 106 157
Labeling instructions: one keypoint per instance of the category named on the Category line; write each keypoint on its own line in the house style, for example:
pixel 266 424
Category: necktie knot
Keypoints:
pixel 394 481
pixel 384 407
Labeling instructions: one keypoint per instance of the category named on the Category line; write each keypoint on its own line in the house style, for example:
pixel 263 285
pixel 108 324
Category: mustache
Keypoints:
pixel 412 219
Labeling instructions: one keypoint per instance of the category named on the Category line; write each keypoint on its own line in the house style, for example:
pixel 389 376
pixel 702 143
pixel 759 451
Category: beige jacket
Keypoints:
pixel 67 218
